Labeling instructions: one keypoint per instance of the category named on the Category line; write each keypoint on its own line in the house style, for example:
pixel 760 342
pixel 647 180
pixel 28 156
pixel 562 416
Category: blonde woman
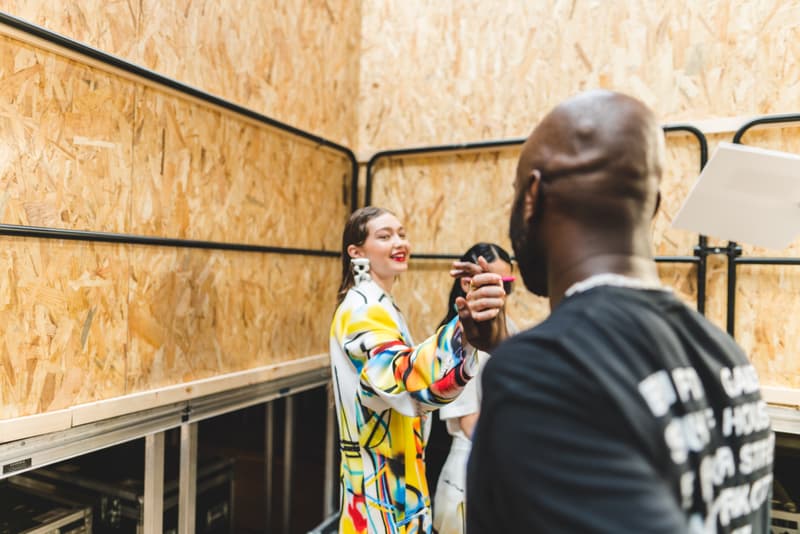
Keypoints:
pixel 385 385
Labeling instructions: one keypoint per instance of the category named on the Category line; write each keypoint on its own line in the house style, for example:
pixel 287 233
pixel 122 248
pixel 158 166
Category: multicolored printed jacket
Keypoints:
pixel 384 385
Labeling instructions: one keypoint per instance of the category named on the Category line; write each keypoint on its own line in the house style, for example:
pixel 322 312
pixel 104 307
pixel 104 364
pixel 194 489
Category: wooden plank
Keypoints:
pixel 17 428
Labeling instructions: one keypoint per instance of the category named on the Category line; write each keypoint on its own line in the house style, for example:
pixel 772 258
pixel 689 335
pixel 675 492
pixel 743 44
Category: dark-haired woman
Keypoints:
pixel 385 385
pixel 461 415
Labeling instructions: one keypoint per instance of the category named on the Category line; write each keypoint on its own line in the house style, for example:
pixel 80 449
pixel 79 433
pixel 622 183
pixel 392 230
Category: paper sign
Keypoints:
pixel 746 194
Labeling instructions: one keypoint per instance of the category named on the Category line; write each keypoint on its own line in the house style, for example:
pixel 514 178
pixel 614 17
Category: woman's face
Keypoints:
pixel 386 247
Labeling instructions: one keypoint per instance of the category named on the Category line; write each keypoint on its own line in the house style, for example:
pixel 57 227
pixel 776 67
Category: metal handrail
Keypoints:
pixel 114 62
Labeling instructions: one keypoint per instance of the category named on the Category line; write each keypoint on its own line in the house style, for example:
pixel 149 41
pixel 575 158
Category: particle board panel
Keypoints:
pixel 195 313
pixel 475 70
pixel 64 309
pixel 66 132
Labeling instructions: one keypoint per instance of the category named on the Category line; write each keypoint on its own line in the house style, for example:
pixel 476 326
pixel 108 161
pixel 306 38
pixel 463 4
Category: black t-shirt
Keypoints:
pixel 624 412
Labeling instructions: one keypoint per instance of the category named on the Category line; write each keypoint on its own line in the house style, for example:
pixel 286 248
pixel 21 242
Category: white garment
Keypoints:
pixel 449 513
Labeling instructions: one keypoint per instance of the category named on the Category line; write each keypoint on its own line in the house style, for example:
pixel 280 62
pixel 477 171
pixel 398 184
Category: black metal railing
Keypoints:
pixel 159 80
pixel 16 230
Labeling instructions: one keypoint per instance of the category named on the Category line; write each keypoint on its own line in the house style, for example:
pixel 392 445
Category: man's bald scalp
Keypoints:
pixel 610 143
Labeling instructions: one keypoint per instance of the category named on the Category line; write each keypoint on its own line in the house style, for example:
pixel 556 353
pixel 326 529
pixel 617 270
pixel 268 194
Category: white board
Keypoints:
pixel 746 194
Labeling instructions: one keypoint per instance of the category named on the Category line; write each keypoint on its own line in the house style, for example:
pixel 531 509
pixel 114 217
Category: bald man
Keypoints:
pixel 625 411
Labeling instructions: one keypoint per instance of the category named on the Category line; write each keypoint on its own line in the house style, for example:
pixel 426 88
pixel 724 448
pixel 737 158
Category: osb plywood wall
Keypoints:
pixel 81 148
pixel 467 70
pixel 294 61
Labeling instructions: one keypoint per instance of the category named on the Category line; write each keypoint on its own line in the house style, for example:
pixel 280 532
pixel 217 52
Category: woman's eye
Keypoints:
pixel 383 236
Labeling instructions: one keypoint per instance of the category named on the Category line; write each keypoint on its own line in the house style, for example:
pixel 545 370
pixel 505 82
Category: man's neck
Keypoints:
pixel 636 267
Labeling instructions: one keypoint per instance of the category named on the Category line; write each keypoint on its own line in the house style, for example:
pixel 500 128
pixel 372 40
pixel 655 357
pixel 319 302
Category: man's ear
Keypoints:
pixel 354 251
pixel 658 203
pixel 531 193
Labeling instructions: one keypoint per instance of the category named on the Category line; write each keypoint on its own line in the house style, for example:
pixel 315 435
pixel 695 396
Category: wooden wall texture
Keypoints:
pixel 468 70
pixel 88 149
pixel 294 61
pixel 83 148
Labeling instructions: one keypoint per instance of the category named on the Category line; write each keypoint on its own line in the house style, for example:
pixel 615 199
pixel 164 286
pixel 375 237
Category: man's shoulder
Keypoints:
pixel 533 358
pixel 544 338
pixel 582 337
pixel 641 316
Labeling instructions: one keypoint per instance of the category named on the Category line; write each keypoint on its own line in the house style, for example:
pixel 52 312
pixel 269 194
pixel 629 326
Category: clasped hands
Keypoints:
pixel 481 311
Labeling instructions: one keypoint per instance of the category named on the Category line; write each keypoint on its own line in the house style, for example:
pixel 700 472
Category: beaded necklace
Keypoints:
pixel 612 279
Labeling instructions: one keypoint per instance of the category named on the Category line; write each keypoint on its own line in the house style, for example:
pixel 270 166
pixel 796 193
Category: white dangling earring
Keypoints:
pixel 360 268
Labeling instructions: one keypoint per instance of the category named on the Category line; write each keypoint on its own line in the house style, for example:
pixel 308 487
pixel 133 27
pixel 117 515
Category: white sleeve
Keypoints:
pixel 469 400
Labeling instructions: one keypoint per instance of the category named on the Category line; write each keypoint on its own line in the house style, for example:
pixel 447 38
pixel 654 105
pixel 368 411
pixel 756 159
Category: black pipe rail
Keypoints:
pixel 432 150
pixel 15 230
pixel 701 251
pixel 659 259
pixel 734 251
pixel 188 91
pixel 743 260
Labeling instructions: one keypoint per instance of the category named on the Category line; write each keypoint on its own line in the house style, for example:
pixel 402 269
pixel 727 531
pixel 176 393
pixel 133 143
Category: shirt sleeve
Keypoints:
pixel 410 379
pixel 546 459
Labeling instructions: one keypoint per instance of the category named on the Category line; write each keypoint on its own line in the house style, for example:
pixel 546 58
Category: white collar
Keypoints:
pixel 612 279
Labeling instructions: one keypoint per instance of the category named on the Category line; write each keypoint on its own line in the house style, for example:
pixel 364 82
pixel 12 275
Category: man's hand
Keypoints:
pixel 481 311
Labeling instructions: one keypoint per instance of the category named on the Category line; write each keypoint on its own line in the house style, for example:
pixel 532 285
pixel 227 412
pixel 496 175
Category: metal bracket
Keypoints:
pixel 730 250
pixel 31 453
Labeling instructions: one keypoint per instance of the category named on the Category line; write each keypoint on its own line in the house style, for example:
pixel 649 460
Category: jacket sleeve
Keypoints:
pixel 410 379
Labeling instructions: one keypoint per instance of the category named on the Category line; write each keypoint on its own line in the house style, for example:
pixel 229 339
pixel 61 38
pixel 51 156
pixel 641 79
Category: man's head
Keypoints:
pixel 588 179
